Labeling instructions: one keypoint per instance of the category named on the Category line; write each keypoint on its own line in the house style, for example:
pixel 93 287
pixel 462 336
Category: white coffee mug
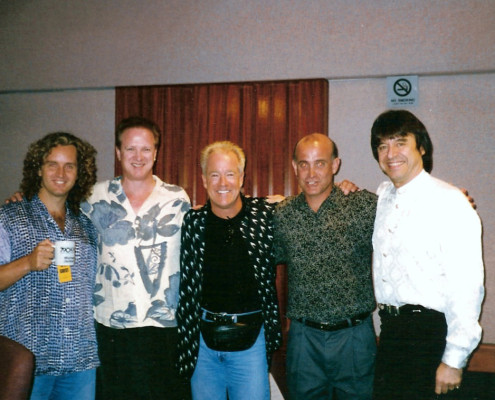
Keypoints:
pixel 64 252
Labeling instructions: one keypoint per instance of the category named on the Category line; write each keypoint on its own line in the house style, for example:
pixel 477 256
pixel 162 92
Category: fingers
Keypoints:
pixel 444 389
pixel 17 196
pixel 347 186
pixel 42 255
pixel 447 379
pixel 274 198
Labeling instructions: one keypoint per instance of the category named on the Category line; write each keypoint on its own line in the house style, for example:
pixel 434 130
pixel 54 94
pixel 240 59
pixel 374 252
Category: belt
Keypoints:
pixel 325 326
pixel 395 311
pixel 227 319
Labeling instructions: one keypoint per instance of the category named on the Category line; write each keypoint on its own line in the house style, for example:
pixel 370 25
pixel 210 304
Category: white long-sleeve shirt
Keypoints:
pixel 428 251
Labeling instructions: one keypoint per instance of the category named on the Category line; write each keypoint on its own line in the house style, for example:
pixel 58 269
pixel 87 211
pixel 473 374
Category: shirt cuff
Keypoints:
pixel 455 357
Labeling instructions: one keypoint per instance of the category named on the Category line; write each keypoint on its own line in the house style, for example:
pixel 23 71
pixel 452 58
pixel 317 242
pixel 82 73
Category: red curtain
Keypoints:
pixel 265 118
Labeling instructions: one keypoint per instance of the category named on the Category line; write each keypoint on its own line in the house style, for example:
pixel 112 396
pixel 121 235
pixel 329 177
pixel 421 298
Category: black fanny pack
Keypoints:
pixel 231 333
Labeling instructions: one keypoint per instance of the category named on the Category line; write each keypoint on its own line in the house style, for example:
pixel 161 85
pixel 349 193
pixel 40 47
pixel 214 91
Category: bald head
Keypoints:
pixel 317 140
pixel 315 162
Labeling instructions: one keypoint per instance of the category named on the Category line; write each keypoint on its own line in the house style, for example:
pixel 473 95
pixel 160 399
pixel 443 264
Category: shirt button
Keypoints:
pixel 384 254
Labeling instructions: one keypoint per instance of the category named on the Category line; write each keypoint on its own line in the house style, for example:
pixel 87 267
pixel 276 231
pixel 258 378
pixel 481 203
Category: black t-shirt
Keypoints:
pixel 229 284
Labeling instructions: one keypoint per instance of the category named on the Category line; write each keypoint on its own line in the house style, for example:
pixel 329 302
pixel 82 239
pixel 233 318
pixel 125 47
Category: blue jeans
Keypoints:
pixel 76 386
pixel 241 374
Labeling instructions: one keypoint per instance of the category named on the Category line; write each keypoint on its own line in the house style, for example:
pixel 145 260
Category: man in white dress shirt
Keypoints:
pixel 427 267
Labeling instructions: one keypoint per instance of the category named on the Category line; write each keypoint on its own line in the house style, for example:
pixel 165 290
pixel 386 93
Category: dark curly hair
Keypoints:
pixel 86 167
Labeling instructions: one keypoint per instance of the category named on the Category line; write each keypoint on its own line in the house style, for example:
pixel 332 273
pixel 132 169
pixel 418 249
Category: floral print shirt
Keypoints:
pixel 137 281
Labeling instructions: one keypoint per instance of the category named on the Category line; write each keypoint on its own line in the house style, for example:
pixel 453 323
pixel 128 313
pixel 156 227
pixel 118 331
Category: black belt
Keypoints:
pixel 227 319
pixel 325 326
pixel 395 311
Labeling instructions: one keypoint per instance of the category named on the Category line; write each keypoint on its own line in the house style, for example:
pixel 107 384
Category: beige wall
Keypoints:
pixel 61 60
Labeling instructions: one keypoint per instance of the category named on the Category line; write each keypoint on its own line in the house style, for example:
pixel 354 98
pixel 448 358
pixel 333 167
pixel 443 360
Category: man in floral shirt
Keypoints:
pixel 138 218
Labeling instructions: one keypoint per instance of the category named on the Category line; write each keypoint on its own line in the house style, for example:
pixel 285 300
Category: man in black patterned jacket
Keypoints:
pixel 228 315
pixel 324 237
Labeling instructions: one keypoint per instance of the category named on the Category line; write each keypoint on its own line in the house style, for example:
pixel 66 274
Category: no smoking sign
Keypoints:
pixel 402 91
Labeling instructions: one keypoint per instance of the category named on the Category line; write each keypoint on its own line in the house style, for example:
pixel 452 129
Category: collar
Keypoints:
pixel 334 195
pixel 236 218
pixel 207 208
pixel 411 186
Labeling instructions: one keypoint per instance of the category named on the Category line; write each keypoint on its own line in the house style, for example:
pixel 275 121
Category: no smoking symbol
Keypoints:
pixel 402 87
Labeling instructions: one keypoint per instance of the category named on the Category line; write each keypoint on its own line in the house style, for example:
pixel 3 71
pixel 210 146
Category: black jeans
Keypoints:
pixel 138 363
pixel 409 352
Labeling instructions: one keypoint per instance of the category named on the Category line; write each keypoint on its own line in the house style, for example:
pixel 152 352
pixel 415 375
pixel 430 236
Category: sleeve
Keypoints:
pixel 188 307
pixel 278 247
pixel 87 205
pixel 185 261
pixel 5 250
pixel 464 271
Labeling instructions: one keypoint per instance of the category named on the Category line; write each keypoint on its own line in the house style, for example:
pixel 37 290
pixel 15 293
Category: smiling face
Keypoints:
pixel 58 172
pixel 400 159
pixel 223 182
pixel 315 168
pixel 137 154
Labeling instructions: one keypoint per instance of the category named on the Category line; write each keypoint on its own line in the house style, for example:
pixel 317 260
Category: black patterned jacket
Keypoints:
pixel 257 230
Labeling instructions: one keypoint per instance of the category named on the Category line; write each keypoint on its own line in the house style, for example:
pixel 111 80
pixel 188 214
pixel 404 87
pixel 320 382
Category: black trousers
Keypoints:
pixel 138 363
pixel 409 352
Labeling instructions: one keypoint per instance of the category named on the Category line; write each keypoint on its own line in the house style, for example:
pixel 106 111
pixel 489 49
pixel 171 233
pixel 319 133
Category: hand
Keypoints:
pixel 274 198
pixel 42 255
pixel 17 196
pixel 470 199
pixel 347 186
pixel 447 378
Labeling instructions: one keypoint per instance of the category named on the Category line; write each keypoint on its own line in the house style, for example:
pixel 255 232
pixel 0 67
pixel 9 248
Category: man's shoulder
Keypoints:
pixel 362 195
pixel 354 200
pixel 193 215
pixel 442 185
pixel 101 189
pixel 170 191
pixel 289 203
pixel 443 192
pixel 171 188
pixel 258 204
pixel 15 207
pixel 21 213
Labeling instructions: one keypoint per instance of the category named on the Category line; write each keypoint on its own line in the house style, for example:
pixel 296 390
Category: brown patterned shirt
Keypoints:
pixel 328 254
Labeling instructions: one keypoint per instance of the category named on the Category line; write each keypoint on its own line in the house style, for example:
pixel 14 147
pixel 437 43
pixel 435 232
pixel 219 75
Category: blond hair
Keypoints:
pixel 223 146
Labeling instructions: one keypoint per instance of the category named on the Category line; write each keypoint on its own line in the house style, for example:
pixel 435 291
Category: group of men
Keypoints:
pixel 197 286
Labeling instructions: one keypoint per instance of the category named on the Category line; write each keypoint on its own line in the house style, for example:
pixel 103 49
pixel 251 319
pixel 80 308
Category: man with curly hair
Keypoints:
pixel 42 308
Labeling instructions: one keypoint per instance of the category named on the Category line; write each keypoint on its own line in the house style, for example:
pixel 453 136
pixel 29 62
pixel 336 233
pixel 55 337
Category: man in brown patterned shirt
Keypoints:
pixel 324 237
